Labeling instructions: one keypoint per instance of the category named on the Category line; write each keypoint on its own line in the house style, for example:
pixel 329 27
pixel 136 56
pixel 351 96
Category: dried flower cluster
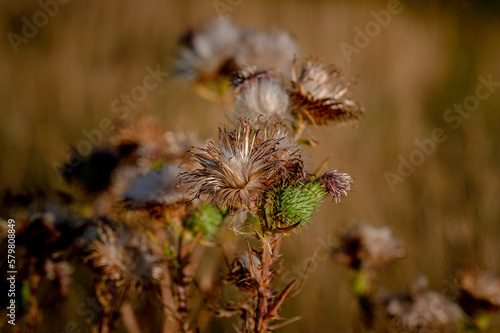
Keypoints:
pixel 262 67
pixel 319 96
pixel 144 235
pixel 219 48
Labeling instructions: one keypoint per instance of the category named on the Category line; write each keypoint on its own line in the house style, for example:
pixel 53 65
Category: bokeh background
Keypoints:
pixel 428 58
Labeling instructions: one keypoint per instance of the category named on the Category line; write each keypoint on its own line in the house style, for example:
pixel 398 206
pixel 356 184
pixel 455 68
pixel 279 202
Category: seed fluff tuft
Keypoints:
pixel 321 97
pixel 241 169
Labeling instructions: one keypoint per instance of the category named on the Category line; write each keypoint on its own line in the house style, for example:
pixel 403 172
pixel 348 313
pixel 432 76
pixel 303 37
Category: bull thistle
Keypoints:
pixel 256 173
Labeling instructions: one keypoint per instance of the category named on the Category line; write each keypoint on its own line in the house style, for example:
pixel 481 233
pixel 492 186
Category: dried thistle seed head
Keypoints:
pixel 209 51
pixel 207 219
pixel 289 151
pixel 421 310
pixel 123 258
pixel 157 186
pixel 243 273
pixel 260 93
pixel 337 184
pixel 267 49
pixel 292 205
pixel 240 170
pixel 320 96
pixel 363 246
pixel 479 290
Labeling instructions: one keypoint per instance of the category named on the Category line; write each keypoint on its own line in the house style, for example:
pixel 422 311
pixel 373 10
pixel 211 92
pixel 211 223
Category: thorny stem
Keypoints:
pixel 361 288
pixel 267 303
pixel 166 296
pixel 263 291
pixel 179 286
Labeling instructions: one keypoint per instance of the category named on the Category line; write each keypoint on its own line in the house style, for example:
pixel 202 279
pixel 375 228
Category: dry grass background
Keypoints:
pixel 428 58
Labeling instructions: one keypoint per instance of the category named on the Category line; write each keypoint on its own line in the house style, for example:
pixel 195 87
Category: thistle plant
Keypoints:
pixel 365 250
pixel 123 264
pixel 256 174
pixel 148 210
pixel 195 228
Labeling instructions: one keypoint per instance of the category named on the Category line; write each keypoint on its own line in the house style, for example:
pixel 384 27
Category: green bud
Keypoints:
pixel 207 219
pixel 294 204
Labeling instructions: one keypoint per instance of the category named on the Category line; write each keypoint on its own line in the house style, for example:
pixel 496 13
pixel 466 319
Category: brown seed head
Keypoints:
pixel 246 163
pixel 123 258
pixel 320 96
pixel 367 247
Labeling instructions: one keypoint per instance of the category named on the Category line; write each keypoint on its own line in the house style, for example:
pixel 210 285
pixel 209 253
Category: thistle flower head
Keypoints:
pixel 123 258
pixel 208 50
pixel 243 273
pixel 337 184
pixel 260 93
pixel 267 49
pixel 363 246
pixel 241 169
pixel 480 291
pixel 421 310
pixel 320 96
pixel 220 48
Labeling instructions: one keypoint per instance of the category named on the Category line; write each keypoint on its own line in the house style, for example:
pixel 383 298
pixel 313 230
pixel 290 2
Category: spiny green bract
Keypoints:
pixel 207 219
pixel 294 204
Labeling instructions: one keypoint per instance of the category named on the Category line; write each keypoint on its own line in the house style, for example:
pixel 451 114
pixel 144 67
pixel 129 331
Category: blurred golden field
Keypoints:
pixel 428 58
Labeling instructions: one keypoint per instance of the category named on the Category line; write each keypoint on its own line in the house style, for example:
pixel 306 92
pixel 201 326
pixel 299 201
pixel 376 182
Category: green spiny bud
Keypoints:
pixel 293 204
pixel 207 219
